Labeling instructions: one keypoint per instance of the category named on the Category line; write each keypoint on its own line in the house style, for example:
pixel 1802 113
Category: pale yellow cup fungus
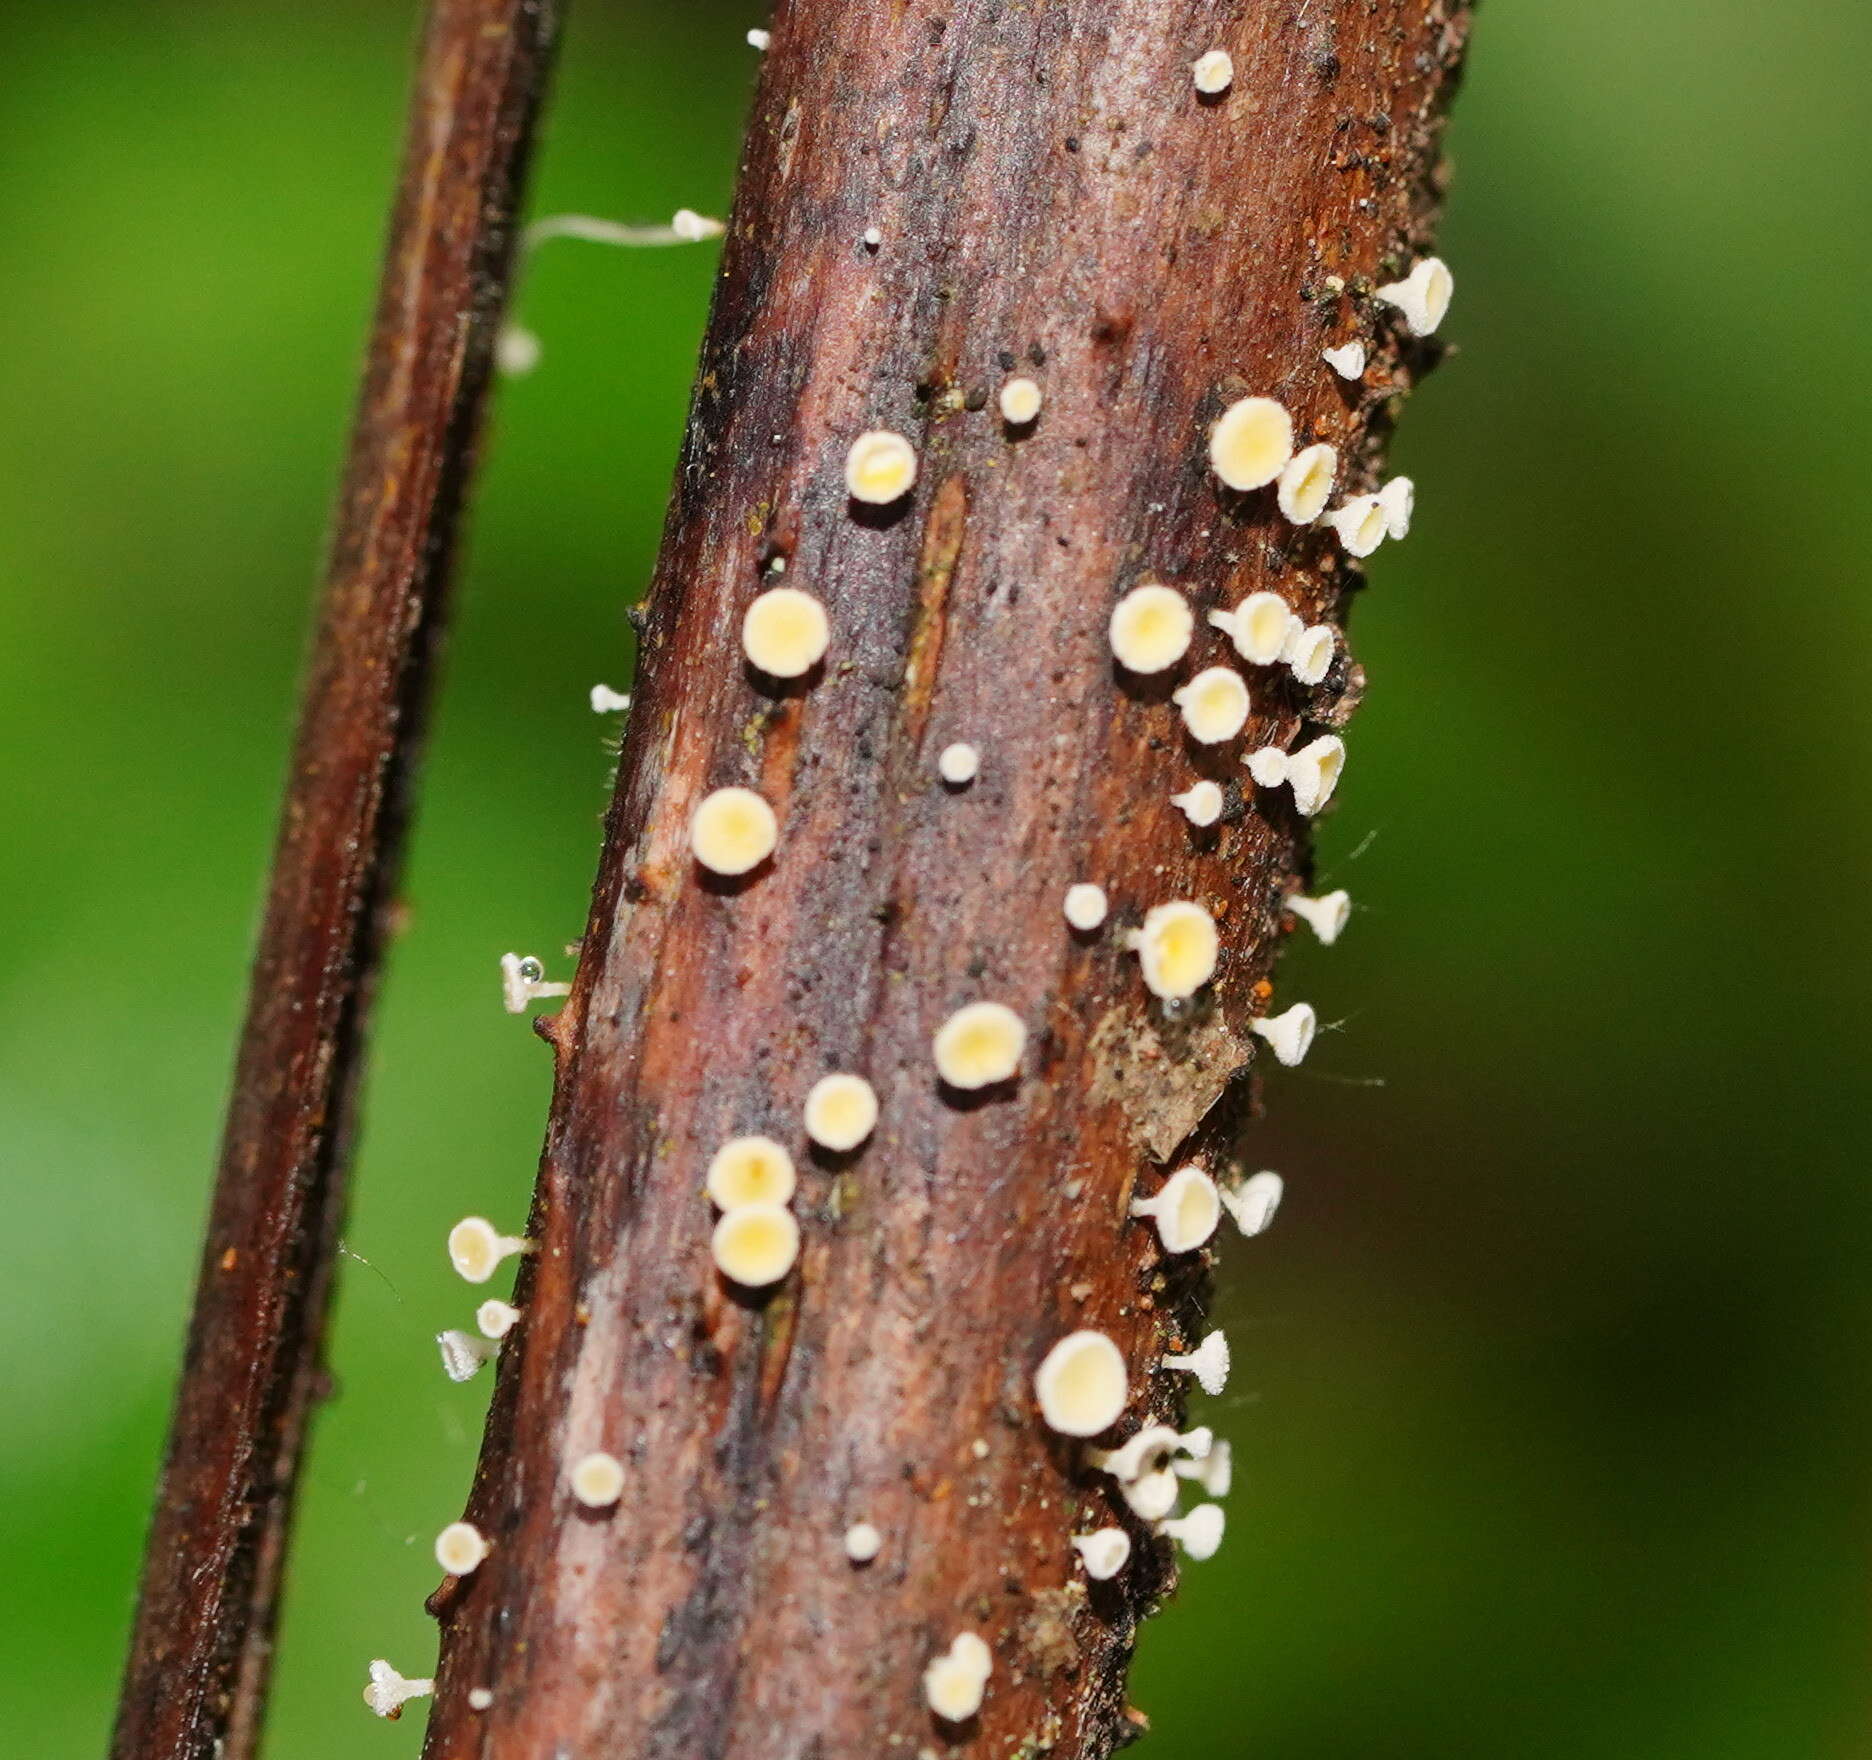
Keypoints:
pixel 880 468
pixel 1259 627
pixel 1314 772
pixel 1209 1363
pixel 1151 628
pixel 1252 1204
pixel 1268 766
pixel 1200 803
pixel 1398 498
pixel 1020 402
pixel 463 1355
pixel 733 831
pixel 1326 915
pixel 1081 1385
pixel 597 1480
pixel 476 1249
pixel 1361 524
pixel 1177 947
pixel 1214 704
pixel 979 1045
pixel 1085 906
pixel 1290 1035
pixel 460 1548
pixel 1153 1495
pixel 523 980
pixel 1423 296
pixel 1310 654
pixel 1186 1210
pixel 1213 72
pixel 958 764
pixel 1214 1472
pixel 389 1691
pixel 1251 443
pixel 863 1542
pixel 1199 1532
pixel 750 1170
pixel 785 632
pixel 755 1245
pixel 1347 360
pixel 496 1318
pixel 841 1111
pixel 954 1683
pixel 1307 483
pixel 1104 1552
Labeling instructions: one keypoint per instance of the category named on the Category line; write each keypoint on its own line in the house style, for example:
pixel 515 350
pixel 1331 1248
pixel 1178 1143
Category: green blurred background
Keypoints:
pixel 1551 1406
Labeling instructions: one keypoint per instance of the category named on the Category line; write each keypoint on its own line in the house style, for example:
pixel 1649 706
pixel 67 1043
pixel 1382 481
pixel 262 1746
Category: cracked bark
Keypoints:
pixel 195 1682
pixel 1053 198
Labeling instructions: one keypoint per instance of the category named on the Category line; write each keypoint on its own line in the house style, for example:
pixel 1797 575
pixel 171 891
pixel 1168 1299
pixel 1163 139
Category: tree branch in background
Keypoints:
pixel 1052 199
pixel 197 1673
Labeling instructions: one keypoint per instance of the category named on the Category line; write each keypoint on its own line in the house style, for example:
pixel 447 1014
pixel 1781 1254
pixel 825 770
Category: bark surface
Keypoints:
pixel 1054 199
pixel 196 1678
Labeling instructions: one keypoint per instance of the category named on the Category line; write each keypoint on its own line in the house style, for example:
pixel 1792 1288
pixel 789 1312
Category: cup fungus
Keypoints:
pixel 1307 482
pixel 750 1170
pixel 496 1318
pixel 1361 524
pixel 759 39
pixel 463 1354
pixel 785 632
pixel 606 701
pixel 1199 1532
pixel 389 1691
pixel 841 1111
pixel 1268 766
pixel 1177 948
pixel 1423 296
pixel 1081 1384
pixel 1326 915
pixel 733 831
pixel 979 1045
pixel 475 1249
pixel 1254 1201
pixel 755 1245
pixel 1314 771
pixel 1020 402
pixel 958 764
pixel 1290 1035
pixel 1200 803
pixel 1214 1472
pixel 460 1549
pixel 1347 360
pixel 597 1480
pixel 1147 1451
pixel 1208 1362
pixel 1151 628
pixel 880 468
pixel 954 1683
pixel 1398 498
pixel 1259 627
pixel 480 1698
pixel 1085 906
pixel 522 980
pixel 1310 654
pixel 863 1542
pixel 1251 443
pixel 1186 1210
pixel 1104 1553
pixel 1152 1496
pixel 692 228
pixel 1214 705
pixel 1213 72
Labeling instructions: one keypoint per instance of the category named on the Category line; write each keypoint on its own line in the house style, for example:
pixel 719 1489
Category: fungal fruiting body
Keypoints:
pixel 758 39
pixel 841 1111
pixel 496 1318
pixel 785 632
pixel 1151 628
pixel 1254 1201
pixel 1259 627
pixel 1104 1553
pixel 733 831
pixel 479 1698
pixel 872 238
pixel 1268 766
pixel 1326 915
pixel 389 1691
pixel 1142 1453
pixel 1314 771
pixel 1208 1362
pixel 1200 1532
pixel 1213 72
pixel 979 1045
pixel 1290 1035
pixel 954 1683
pixel 1347 360
pixel 880 468
pixel 476 1249
pixel 1398 498
pixel 755 1245
pixel 460 1548
pixel 1177 947
pixel 1153 1495
pixel 1085 906
pixel 597 1480
pixel 1310 653
pixel 1200 803
pixel 958 764
pixel 1020 402
pixel 1361 524
pixel 1423 296
pixel 523 980
pixel 1215 1472
pixel 463 1353
pixel 750 1170
pixel 1306 484
pixel 689 227
pixel 1080 1385
pixel 1186 1210
pixel 863 1542
pixel 1214 704
pixel 1251 443
pixel 606 701
pixel 517 350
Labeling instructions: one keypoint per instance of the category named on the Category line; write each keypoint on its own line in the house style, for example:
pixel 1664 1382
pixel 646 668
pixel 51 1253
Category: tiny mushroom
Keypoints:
pixel 954 1683
pixel 1347 360
pixel 1085 906
pixel 1020 402
pixel 1152 1496
pixel 1177 947
pixel 1326 915
pixel 1215 1472
pixel 1200 803
pixel 496 1318
pixel 1199 1532
pixel 1147 1451
pixel 750 1170
pixel 460 1548
pixel 733 831
pixel 1209 1363
pixel 880 467
pixel 523 980
pixel 1258 626
pixel 755 1245
pixel 785 632
pixel 1268 766
pixel 1151 627
pixel 1361 524
pixel 958 764
pixel 463 1354
pixel 758 39
pixel 979 1045
pixel 476 1249
pixel 1398 498
pixel 1251 443
pixel 1186 1210
pixel 1310 654
pixel 606 701
pixel 1213 72
pixel 1104 1552
pixel 1254 1201
pixel 1214 704
pixel 841 1111
pixel 1080 1385
pixel 1314 771
pixel 389 1691
pixel 1290 1035
pixel 863 1542
pixel 1423 296
pixel 597 1480
pixel 1307 482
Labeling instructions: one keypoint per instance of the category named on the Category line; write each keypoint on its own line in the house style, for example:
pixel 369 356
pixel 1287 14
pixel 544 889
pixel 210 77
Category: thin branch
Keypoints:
pixel 195 1683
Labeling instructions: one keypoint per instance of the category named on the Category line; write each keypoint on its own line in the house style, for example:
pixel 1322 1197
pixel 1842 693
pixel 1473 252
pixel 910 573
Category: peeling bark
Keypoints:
pixel 195 1683
pixel 1054 198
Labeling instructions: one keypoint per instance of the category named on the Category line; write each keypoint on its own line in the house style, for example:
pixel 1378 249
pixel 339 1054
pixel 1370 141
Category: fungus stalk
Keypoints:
pixel 768 1376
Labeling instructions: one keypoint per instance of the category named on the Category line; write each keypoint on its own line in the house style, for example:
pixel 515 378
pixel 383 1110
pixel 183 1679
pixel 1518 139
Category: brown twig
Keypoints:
pixel 196 1678
pixel 1053 198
